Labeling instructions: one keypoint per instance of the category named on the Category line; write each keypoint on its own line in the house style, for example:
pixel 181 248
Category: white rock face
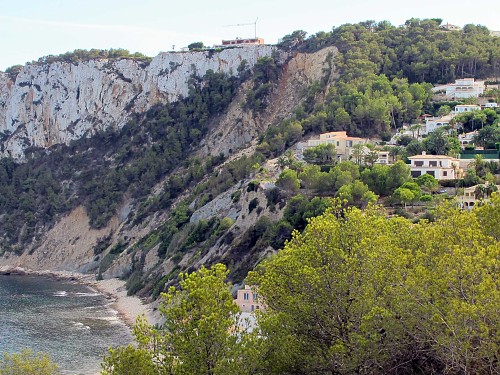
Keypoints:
pixel 59 102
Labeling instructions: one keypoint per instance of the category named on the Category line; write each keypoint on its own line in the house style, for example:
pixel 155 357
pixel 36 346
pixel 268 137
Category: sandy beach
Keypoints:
pixel 128 307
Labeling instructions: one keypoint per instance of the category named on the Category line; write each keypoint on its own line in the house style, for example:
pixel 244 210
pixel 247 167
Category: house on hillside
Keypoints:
pixel 461 108
pixel 470 198
pixel 241 42
pixel 247 300
pixel 465 88
pixel 434 123
pixel 344 144
pixel 450 27
pixel 466 139
pixel 441 167
pixel 383 157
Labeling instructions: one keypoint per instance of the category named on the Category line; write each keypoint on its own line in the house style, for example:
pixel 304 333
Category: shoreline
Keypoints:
pixel 127 307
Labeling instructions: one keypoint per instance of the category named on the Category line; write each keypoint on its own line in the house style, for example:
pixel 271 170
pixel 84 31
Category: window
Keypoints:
pixel 246 296
pixel 338 143
pixel 445 173
pixel 349 143
pixel 432 163
pixel 255 296
pixel 419 163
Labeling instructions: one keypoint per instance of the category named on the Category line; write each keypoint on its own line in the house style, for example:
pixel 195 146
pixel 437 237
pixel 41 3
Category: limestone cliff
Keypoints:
pixel 55 103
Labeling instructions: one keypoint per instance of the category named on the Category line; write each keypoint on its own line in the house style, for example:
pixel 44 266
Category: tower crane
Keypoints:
pixel 247 24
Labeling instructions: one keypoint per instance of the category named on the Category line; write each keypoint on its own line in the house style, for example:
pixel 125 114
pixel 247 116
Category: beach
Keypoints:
pixel 128 307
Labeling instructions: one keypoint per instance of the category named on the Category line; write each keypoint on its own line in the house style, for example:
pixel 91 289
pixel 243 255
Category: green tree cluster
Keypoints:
pixel 201 333
pixel 359 293
pixel 420 50
pixel 378 178
pixel 488 137
pixel 476 120
pixel 322 154
pixel 265 75
pixel 81 55
pixel 356 292
pixel 27 363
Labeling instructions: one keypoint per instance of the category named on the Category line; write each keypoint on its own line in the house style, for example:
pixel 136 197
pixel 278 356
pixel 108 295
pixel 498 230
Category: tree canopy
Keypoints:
pixel 359 293
pixel 197 337
pixel 356 292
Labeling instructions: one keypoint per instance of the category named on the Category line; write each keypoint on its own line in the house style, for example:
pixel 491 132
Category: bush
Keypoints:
pixel 236 196
pixel 273 196
pixel 253 204
pixel 27 362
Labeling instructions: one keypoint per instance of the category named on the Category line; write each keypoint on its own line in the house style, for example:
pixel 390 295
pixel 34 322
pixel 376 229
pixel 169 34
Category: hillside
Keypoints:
pixel 64 235
pixel 141 169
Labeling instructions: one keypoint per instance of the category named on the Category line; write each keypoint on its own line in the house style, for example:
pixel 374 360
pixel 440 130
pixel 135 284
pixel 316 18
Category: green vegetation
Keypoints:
pixel 402 295
pixel 81 55
pixel 386 72
pixel 354 293
pixel 98 172
pixel 27 363
pixel 265 74
pixel 475 120
pixel 196 338
pixel 420 50
pixel 196 46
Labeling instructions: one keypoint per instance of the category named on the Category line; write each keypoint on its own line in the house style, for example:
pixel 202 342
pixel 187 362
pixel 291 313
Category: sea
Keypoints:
pixel 71 322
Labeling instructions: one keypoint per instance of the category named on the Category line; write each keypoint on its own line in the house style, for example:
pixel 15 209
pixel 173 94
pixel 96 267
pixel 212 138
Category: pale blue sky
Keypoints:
pixel 30 29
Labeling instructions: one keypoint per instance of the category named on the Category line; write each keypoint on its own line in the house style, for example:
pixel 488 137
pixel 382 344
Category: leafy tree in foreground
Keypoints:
pixel 355 293
pixel 197 336
pixel 359 293
pixel 27 363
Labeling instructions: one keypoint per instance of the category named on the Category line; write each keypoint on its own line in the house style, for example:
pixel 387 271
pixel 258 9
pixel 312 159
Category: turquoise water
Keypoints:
pixel 71 322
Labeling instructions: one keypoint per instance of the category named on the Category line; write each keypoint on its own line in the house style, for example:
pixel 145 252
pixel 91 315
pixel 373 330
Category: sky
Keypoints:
pixel 34 28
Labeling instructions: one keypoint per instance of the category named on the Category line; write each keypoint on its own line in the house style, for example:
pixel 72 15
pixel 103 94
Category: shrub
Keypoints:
pixel 253 204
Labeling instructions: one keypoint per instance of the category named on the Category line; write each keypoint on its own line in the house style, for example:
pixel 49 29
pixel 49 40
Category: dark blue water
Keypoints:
pixel 71 322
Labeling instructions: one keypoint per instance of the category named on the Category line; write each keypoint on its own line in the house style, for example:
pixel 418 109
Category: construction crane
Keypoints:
pixel 247 24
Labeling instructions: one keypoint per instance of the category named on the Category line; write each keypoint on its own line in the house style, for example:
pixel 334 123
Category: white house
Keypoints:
pixel 434 123
pixel 383 157
pixel 466 138
pixel 441 167
pixel 490 105
pixel 461 108
pixel 465 88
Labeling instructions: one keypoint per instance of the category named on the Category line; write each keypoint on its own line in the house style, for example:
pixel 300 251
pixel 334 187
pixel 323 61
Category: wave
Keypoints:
pixel 111 319
pixel 80 294
pixel 64 293
pixel 81 326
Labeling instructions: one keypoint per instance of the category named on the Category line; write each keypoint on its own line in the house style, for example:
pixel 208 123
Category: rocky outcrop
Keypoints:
pixel 103 93
pixel 55 103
